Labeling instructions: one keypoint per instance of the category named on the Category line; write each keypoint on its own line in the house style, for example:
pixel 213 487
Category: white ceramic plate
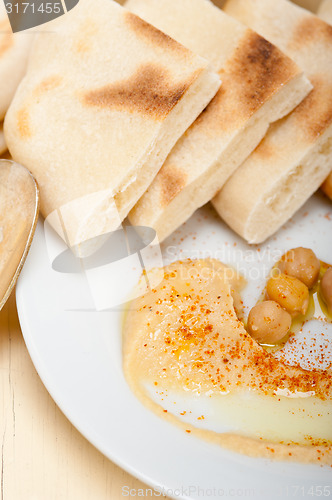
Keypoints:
pixel 77 354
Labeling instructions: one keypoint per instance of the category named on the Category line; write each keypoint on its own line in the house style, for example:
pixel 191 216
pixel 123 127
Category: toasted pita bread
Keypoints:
pixel 218 3
pixel 14 51
pixel 325 11
pixel 260 85
pixel 327 186
pixel 295 156
pixel 3 146
pixel 105 98
pixel 308 4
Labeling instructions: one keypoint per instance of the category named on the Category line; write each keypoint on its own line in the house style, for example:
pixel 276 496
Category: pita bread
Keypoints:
pixel 260 85
pixel 218 3
pixel 308 4
pixel 325 11
pixel 105 98
pixel 295 156
pixel 14 51
pixel 3 146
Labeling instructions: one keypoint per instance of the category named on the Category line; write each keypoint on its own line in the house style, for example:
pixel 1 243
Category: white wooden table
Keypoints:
pixel 43 457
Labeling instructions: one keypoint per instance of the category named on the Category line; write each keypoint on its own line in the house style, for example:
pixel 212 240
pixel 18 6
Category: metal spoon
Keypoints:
pixel 19 208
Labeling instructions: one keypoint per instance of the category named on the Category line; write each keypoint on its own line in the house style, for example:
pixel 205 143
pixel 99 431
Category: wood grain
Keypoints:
pixel 43 457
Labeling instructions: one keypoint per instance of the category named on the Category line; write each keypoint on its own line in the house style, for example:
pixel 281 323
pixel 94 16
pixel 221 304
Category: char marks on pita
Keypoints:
pixel 259 67
pixel 295 156
pixel 314 114
pixel 149 91
pixel 103 102
pixel 172 180
pixel 152 35
pixel 259 85
pixel 309 31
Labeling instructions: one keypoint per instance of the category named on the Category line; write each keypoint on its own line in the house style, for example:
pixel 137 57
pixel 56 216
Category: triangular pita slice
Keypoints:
pixel 306 4
pixel 259 85
pixel 14 51
pixel 3 146
pixel 295 156
pixel 325 11
pixel 105 98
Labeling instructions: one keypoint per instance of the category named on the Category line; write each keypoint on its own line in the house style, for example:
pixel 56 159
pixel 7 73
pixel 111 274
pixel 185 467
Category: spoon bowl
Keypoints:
pixel 19 209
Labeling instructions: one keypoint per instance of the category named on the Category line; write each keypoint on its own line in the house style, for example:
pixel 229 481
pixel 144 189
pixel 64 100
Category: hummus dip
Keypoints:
pixel 185 336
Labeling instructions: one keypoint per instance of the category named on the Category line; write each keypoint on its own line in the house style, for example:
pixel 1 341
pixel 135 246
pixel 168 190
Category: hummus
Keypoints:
pixel 185 335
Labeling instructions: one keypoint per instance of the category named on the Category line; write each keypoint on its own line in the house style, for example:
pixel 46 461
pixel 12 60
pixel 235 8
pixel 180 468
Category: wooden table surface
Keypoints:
pixel 43 456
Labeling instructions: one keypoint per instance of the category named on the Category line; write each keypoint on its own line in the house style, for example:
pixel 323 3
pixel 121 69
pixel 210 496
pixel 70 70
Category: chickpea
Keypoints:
pixel 326 289
pixel 268 322
pixel 301 263
pixel 289 292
